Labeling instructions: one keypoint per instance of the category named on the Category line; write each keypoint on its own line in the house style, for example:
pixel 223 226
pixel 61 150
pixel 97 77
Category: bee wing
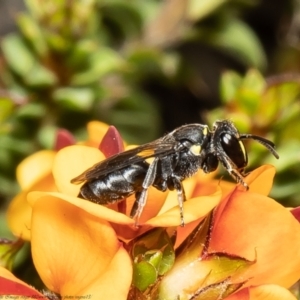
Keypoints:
pixel 116 162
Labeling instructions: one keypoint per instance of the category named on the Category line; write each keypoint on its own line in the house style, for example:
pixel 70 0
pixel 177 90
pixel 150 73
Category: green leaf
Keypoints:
pixel 46 136
pixel 145 62
pixel 35 8
pixel 281 100
pixel 198 10
pixel 57 42
pixel 250 91
pixel 40 76
pixel 32 32
pixel 17 55
pixel 31 110
pixel 144 274
pixel 74 98
pixel 154 258
pixel 125 16
pixel 254 81
pixel 217 291
pixel 289 156
pixel 101 63
pixel 81 52
pixel 155 247
pixel 14 144
pixel 287 191
pixel 230 83
pixel 6 109
pixel 22 61
pixel 237 38
pixel 8 251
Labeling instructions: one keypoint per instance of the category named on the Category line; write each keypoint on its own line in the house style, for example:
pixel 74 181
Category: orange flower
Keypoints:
pixel 250 245
pixel 76 254
pixel 35 174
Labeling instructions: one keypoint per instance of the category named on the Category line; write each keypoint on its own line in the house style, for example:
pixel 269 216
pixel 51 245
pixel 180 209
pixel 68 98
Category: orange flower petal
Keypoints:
pixel 12 286
pixel 194 209
pixel 260 180
pixel 72 249
pixel 34 167
pixel 96 130
pixel 113 287
pixel 71 162
pixel 94 209
pixel 172 199
pixel 263 292
pixel 203 188
pixel 258 228
pixel 270 292
pixel 19 211
pixel 19 216
pixel 154 203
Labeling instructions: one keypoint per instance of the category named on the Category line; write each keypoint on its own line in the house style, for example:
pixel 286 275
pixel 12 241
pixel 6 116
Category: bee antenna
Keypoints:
pixel 268 144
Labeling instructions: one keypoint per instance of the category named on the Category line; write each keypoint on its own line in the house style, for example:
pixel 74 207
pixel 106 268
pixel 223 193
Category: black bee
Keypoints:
pixel 176 156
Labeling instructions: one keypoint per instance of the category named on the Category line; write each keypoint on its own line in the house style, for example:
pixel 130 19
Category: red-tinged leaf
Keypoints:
pixel 111 143
pixel 10 287
pixel 64 138
pixel 296 213
pixel 242 294
pixel 122 207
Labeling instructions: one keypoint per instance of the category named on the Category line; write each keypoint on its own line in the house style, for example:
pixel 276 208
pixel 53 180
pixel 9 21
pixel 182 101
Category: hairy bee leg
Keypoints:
pixel 238 177
pixel 181 198
pixel 138 206
pixel 141 197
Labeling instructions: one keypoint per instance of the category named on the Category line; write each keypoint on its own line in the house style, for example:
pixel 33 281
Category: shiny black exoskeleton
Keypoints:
pixel 176 156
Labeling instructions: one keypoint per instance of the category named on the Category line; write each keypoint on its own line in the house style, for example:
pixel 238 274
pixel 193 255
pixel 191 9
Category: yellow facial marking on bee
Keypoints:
pixel 195 149
pixel 243 149
pixel 205 130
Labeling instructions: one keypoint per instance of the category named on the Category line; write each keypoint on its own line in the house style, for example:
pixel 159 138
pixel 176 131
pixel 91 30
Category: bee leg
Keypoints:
pixel 234 173
pixel 238 177
pixel 138 205
pixel 181 197
pixel 141 197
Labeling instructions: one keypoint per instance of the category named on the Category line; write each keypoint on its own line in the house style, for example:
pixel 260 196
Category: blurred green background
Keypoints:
pixel 147 67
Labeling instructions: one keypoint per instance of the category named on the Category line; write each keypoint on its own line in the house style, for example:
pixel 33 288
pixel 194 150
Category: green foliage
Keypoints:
pixel 153 256
pixel 268 108
pixel 8 251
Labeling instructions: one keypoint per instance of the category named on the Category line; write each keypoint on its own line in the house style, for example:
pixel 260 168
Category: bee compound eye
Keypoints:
pixel 234 149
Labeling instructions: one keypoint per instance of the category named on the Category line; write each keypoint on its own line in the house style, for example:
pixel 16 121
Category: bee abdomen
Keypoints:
pixel 115 186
